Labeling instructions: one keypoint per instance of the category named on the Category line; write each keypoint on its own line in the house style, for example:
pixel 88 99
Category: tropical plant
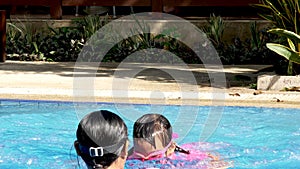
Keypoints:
pixel 140 39
pixel 251 50
pixel 215 29
pixel 256 37
pixel 25 38
pixel 90 24
pixel 256 45
pixel 292 53
pixel 62 44
pixel 284 14
pixel 65 43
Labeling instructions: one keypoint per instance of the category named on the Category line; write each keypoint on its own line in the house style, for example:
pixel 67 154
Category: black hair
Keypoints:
pixel 101 129
pixel 148 124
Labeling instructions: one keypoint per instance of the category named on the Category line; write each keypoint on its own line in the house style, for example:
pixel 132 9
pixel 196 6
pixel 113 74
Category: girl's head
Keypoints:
pixel 152 135
pixel 102 140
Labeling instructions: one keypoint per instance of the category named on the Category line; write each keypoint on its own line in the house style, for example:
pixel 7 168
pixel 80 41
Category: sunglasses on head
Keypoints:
pixel 155 154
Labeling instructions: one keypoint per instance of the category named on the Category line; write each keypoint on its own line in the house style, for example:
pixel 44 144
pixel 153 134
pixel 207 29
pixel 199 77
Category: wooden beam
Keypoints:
pixel 2 35
pixel 228 3
pixel 87 3
pixel 157 5
pixel 133 2
pixel 106 3
pixel 56 9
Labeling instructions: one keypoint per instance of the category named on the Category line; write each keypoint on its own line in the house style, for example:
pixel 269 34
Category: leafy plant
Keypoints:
pixel 24 39
pixel 90 24
pixel 284 14
pixel 252 50
pixel 256 45
pixel 142 40
pixel 62 44
pixel 256 37
pixel 253 86
pixel 215 30
pixel 291 53
pixel 65 43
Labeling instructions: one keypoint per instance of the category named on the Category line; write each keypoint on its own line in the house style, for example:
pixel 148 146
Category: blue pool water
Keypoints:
pixel 40 134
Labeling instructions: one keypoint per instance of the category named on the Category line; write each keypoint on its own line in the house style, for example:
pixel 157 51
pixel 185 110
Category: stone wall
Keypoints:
pixel 275 82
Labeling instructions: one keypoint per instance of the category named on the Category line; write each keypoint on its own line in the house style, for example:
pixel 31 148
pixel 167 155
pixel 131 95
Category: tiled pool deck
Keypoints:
pixel 54 81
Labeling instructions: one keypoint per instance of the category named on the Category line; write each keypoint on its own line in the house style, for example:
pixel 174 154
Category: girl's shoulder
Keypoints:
pixel 197 158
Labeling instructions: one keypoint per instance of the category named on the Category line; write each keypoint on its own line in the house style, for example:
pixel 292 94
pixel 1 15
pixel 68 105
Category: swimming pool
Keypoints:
pixel 40 134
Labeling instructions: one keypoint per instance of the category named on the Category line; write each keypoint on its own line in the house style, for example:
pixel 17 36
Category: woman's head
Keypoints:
pixel 101 139
pixel 151 133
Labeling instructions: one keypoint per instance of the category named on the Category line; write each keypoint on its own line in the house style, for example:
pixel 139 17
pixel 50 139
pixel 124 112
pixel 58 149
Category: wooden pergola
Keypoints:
pixel 156 5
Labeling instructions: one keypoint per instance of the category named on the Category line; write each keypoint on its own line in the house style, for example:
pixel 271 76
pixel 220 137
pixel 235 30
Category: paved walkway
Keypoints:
pixel 139 83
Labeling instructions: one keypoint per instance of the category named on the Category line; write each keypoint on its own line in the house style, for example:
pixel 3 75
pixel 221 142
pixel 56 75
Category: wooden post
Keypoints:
pixel 56 9
pixel 157 5
pixel 13 9
pixel 2 35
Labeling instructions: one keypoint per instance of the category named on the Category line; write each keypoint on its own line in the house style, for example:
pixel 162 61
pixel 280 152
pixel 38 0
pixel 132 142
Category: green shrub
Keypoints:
pixel 65 43
pixel 285 15
pixel 23 41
